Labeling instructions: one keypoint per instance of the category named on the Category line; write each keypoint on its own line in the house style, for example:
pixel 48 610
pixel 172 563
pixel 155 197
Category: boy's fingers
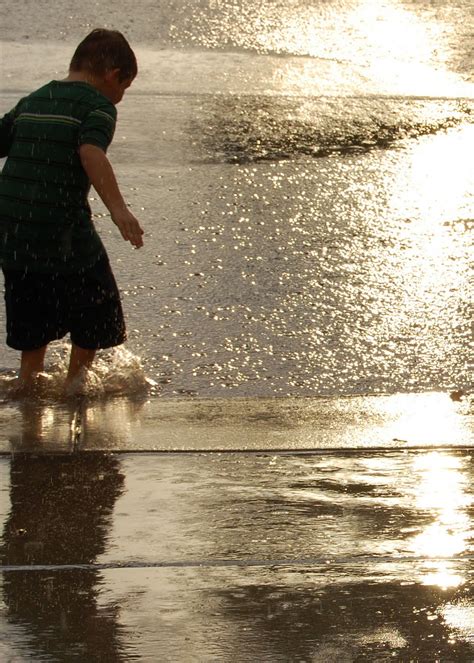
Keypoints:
pixel 136 241
pixel 135 236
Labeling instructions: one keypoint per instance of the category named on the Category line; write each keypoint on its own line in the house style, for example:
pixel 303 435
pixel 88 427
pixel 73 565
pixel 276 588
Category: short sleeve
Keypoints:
pixel 98 127
pixel 6 132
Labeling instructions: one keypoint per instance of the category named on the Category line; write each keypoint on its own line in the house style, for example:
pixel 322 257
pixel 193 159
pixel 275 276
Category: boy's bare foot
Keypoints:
pixel 84 383
pixel 35 386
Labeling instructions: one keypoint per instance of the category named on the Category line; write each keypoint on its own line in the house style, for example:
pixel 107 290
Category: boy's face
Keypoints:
pixel 112 87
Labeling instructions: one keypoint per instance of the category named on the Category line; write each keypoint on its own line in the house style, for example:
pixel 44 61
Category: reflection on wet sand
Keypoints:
pixel 409 595
pixel 331 556
pixel 60 514
pixel 31 425
pixel 299 619
pixel 444 491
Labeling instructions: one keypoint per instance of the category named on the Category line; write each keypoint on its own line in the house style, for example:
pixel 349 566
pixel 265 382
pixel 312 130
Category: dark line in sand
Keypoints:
pixel 330 451
pixel 172 95
pixel 323 562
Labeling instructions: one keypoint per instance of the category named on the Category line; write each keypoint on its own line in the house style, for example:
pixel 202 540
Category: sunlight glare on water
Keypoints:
pixel 443 490
pixel 388 41
pixel 459 616
pixel 433 417
pixel 397 45
pixel 436 182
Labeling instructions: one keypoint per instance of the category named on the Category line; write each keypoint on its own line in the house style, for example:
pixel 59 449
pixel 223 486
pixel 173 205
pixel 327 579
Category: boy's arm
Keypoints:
pixel 101 175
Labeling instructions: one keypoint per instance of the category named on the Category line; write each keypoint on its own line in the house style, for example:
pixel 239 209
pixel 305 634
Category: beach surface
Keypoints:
pixel 279 465
pixel 237 530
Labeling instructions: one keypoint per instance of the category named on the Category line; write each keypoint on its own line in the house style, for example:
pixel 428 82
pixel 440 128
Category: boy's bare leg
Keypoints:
pixel 32 363
pixel 80 358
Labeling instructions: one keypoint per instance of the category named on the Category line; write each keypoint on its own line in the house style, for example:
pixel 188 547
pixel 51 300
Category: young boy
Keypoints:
pixel 57 274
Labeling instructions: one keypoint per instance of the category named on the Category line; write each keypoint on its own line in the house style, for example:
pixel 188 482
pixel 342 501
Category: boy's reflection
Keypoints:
pixel 61 508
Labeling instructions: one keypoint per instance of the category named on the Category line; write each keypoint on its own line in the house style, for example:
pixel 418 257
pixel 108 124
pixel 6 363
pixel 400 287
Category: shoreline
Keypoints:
pixel 188 70
pixel 257 425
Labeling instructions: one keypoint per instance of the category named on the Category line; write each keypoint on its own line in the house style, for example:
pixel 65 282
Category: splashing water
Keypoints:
pixel 116 372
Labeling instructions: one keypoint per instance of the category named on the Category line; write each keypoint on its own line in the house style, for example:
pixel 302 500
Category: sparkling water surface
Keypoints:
pixel 303 172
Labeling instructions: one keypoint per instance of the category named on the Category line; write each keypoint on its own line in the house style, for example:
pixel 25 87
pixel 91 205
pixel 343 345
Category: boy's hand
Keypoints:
pixel 129 227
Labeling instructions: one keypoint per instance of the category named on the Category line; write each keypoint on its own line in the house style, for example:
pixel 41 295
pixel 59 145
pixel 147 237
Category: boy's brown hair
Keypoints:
pixel 103 50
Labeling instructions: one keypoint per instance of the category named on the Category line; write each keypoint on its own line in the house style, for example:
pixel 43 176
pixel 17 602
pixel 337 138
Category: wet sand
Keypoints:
pixel 142 424
pixel 236 530
pixel 327 554
pixel 266 275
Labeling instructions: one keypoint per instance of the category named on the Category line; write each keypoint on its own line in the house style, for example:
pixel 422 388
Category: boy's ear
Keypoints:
pixel 112 75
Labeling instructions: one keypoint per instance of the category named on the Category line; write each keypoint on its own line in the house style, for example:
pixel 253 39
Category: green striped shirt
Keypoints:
pixel 45 218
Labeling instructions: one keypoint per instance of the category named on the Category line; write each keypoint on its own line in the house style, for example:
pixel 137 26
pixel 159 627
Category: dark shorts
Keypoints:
pixel 44 307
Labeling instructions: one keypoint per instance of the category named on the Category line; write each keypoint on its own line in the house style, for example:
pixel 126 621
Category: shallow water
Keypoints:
pixel 303 174
pixel 235 558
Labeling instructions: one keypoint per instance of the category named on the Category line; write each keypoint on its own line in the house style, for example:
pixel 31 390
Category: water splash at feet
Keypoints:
pixel 116 372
